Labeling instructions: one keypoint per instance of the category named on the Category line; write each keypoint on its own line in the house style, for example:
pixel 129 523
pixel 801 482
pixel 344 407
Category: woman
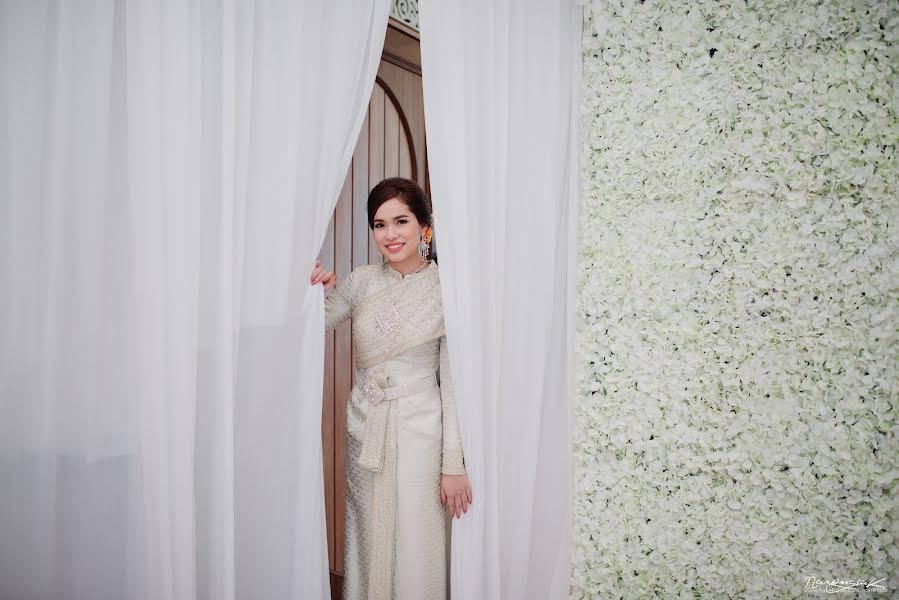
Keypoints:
pixel 404 451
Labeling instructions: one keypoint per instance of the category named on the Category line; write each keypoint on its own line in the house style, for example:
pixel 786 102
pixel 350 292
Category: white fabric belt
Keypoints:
pixel 407 389
pixel 371 456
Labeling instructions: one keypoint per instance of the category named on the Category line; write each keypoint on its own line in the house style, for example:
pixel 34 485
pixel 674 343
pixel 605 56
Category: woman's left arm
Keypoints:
pixel 453 460
pixel 455 489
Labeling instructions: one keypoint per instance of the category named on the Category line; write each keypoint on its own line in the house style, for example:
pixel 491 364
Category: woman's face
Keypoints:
pixel 396 232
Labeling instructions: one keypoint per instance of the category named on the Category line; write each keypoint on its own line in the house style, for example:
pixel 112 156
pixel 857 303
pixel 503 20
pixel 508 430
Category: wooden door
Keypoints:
pixel 391 143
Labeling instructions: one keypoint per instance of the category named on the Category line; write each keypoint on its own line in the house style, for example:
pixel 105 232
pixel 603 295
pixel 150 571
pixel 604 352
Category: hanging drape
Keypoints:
pixel 500 91
pixel 167 172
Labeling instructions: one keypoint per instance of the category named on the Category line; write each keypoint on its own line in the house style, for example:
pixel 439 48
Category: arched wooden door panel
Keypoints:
pixel 387 142
pixel 391 143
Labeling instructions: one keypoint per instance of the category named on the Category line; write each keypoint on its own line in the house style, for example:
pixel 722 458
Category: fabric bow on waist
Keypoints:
pixel 371 456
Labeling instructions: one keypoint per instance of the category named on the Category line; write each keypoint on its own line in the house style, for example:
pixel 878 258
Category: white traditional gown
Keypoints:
pixel 402 433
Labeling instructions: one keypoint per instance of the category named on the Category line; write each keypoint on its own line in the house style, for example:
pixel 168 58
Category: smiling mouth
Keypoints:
pixel 394 247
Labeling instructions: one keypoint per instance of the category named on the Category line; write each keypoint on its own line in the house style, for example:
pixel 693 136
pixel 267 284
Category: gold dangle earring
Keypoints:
pixel 424 244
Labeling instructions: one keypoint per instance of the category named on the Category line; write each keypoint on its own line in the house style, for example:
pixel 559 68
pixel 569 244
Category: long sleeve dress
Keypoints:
pixel 402 433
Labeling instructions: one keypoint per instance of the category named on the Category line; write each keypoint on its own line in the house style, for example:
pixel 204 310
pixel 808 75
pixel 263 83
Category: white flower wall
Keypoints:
pixel 736 423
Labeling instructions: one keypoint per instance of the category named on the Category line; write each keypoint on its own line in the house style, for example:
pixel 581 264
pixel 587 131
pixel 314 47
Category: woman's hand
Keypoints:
pixel 319 275
pixel 455 494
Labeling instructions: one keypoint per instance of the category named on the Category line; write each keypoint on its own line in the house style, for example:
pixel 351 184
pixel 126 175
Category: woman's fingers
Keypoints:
pixel 319 274
pixel 456 495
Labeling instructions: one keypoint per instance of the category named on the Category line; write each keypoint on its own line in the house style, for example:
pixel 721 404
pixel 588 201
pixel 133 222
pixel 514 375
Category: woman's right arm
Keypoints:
pixel 339 303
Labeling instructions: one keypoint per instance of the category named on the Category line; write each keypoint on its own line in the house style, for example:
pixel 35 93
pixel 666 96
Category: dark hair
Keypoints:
pixel 409 193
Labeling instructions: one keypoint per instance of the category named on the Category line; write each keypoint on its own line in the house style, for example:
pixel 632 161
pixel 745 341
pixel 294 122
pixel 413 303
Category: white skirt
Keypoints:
pixel 408 560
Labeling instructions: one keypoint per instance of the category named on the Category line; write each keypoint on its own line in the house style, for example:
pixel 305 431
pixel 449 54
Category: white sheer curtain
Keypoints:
pixel 167 172
pixel 501 104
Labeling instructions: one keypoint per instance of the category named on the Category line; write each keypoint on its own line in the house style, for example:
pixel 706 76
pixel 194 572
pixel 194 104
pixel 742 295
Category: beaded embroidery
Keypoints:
pixel 373 385
pixel 387 318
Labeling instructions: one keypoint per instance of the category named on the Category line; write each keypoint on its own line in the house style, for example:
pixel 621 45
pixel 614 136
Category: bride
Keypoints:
pixel 404 452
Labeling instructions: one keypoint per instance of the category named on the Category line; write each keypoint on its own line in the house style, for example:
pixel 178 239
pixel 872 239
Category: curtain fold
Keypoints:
pixel 501 106
pixel 167 172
